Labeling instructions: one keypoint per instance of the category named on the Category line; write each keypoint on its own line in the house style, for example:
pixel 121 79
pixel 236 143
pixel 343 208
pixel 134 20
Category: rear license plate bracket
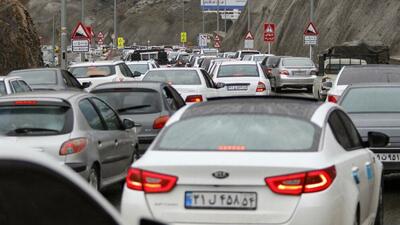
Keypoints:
pixel 221 200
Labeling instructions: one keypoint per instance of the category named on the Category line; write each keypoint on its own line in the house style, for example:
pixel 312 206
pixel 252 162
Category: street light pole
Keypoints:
pixel 225 16
pixel 83 21
pixel 183 19
pixel 63 34
pixel 217 16
pixel 53 42
pixel 204 25
pixel 248 15
pixel 115 25
pixel 311 20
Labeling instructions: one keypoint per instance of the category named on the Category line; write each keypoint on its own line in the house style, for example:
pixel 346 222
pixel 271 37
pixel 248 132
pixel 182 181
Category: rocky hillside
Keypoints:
pixel 159 21
pixel 19 44
pixel 338 21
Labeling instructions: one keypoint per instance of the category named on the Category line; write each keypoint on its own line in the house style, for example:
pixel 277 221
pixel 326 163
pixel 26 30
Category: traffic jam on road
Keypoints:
pixel 200 136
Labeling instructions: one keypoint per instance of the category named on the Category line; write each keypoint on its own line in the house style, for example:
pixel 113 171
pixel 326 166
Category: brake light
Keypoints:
pixel 73 146
pixel 299 183
pixel 194 98
pixel 160 122
pixel 333 98
pixel 25 102
pixel 284 72
pixel 261 87
pixel 150 182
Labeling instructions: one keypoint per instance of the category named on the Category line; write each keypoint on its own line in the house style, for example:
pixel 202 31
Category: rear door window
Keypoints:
pixel 3 90
pixel 16 86
pixel 110 117
pixel 24 86
pixel 38 77
pixel 91 115
pixel 344 131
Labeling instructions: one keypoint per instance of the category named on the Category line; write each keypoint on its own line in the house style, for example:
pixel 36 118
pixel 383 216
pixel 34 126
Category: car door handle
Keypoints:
pixel 116 143
pixel 356 175
pixel 99 144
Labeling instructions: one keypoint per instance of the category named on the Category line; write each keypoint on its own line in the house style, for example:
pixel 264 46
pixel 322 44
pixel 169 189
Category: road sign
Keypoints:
pixel 269 32
pixel 100 41
pixel 311 30
pixel 249 40
pixel 229 5
pixel 90 31
pixel 217 44
pixel 203 40
pixel 80 45
pixel 217 38
pixel 100 35
pixel 183 37
pixel 80 32
pixel 311 34
pixel 121 43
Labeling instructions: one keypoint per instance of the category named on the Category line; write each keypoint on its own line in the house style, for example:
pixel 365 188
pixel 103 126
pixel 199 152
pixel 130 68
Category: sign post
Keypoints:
pixel 80 39
pixel 249 40
pixel 311 36
pixel 269 34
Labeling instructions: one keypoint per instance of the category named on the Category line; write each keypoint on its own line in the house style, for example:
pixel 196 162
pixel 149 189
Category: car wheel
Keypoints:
pixel 379 213
pixel 93 178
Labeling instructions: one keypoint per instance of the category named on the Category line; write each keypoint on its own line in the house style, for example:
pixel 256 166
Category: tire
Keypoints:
pixel 380 212
pixel 93 179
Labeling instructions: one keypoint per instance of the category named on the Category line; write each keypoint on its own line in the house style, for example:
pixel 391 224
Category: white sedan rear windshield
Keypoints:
pixel 297 62
pixel 238 71
pixel 92 71
pixel 241 132
pixel 174 77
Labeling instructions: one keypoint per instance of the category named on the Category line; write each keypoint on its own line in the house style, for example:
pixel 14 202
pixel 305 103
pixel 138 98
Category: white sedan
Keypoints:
pixel 241 78
pixel 193 84
pixel 257 160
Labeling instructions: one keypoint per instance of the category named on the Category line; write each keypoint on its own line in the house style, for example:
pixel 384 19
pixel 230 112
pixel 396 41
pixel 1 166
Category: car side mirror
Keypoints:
pixel 220 85
pixel 327 85
pixel 137 74
pixel 377 139
pixel 86 84
pixel 129 124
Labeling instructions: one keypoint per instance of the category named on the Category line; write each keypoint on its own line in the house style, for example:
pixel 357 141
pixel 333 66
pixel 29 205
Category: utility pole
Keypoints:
pixel 311 20
pixel 83 21
pixel 115 25
pixel 248 15
pixel 53 42
pixel 217 16
pixel 183 19
pixel 63 34
pixel 204 24
pixel 225 16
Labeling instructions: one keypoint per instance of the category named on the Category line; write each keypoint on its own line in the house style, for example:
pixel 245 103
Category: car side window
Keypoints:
pixel 110 117
pixel 207 79
pixel 342 132
pixel 169 97
pixel 125 70
pixel 91 115
pixel 73 81
pixel 351 130
pixel 178 99
pixel 24 86
pixel 16 86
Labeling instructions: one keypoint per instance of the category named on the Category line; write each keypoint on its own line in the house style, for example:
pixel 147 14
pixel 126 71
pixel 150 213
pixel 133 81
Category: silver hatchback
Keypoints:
pixel 76 128
pixel 293 72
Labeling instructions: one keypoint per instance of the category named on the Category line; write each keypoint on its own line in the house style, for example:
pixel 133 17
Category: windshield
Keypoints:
pixel 238 71
pixel 3 90
pixel 225 132
pixel 297 62
pixel 141 68
pixel 271 61
pixel 174 77
pixel 359 75
pixel 372 100
pixel 37 77
pixel 248 53
pixel 34 120
pixel 92 71
pixel 132 100
pixel 258 58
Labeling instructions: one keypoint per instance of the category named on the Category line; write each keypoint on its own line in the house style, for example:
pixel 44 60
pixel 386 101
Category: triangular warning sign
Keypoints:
pixel 311 29
pixel 249 36
pixel 100 35
pixel 217 44
pixel 269 29
pixel 80 32
pixel 217 38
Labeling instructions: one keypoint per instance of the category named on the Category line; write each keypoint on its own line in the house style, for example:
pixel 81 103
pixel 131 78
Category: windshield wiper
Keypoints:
pixel 27 130
pixel 133 107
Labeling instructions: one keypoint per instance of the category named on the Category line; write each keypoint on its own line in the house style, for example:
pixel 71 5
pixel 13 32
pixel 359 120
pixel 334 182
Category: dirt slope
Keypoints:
pixel 19 43
pixel 338 21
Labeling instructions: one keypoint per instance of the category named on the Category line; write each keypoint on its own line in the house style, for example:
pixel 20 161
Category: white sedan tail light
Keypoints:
pixel 150 182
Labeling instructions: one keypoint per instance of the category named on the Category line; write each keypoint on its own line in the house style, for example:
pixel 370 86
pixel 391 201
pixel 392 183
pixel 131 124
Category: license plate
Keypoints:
pixel 299 73
pixel 237 88
pixel 221 200
pixel 388 157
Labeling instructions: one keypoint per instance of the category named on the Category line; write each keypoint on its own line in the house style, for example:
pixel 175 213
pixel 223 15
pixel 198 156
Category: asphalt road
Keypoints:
pixel 391 196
